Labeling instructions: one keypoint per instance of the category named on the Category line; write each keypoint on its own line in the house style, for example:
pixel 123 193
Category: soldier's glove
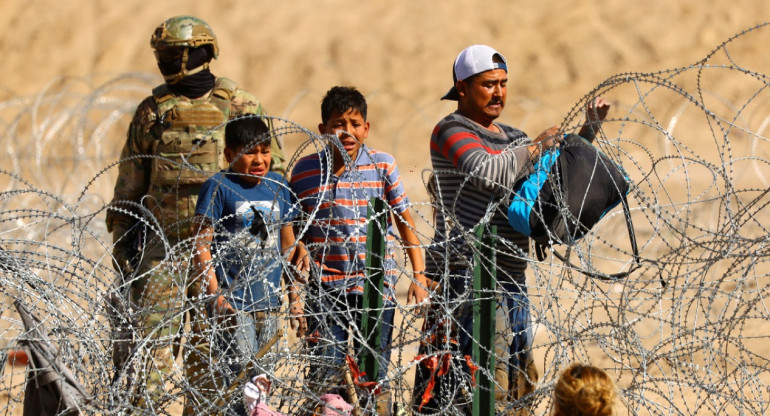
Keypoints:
pixel 122 254
pixel 123 332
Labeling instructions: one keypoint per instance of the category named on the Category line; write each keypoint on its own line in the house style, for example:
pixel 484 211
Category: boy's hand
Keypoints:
pixel 301 260
pixel 297 319
pixel 417 293
pixel 224 312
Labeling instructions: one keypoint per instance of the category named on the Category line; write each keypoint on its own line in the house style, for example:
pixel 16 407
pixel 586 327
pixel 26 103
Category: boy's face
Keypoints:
pixel 254 162
pixel 350 127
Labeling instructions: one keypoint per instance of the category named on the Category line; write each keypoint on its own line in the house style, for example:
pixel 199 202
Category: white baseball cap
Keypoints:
pixel 473 60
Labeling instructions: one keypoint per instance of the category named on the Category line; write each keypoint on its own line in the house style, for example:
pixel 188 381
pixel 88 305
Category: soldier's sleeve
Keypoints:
pixel 245 103
pixel 134 168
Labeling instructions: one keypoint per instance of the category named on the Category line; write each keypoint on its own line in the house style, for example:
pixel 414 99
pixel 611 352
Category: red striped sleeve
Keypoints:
pixel 396 201
pixel 336 277
pixel 340 240
pixel 347 221
pixel 298 176
pixel 345 203
pixel 464 148
pixel 394 184
pixel 473 143
pixel 356 289
pixel 337 257
pixel 362 184
pixel 456 138
pixel 311 191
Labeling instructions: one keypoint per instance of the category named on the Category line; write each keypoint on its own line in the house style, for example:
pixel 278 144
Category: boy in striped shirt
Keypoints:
pixel 334 188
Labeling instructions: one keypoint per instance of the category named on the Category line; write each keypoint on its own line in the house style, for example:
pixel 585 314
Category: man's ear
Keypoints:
pixel 322 128
pixel 461 87
pixel 229 156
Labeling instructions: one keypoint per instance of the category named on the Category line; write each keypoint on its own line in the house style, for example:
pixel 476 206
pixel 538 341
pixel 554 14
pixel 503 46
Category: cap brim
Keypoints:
pixel 451 95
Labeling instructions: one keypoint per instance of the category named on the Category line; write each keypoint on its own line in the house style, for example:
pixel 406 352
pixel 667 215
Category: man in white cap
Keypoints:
pixel 476 162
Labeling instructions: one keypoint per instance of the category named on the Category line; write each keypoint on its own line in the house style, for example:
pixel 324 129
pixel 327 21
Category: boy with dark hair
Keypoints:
pixel 334 188
pixel 338 98
pixel 244 216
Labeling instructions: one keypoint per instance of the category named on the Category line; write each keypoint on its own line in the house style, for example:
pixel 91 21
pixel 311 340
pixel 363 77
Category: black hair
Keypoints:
pixel 339 100
pixel 246 131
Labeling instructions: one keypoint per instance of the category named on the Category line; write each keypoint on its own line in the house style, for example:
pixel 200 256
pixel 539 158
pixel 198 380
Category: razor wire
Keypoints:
pixel 692 140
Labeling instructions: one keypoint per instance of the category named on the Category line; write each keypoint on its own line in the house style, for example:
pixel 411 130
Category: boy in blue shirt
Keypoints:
pixel 244 216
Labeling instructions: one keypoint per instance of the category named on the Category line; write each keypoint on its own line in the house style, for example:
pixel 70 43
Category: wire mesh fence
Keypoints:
pixel 681 334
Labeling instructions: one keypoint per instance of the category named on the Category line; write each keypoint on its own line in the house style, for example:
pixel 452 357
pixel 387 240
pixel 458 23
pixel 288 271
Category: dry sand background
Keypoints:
pixel 398 53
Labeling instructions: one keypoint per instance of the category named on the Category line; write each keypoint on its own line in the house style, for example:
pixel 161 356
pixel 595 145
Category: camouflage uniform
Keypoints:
pixel 156 191
pixel 136 167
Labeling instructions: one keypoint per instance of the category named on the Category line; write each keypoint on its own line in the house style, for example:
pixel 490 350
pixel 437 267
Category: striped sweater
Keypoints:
pixel 476 169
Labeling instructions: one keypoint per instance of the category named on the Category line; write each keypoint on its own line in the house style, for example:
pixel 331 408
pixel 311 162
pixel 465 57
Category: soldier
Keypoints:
pixel 174 142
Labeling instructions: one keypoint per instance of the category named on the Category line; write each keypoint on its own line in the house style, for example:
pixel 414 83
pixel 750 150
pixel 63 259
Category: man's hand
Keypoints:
pixel 549 138
pixel 596 112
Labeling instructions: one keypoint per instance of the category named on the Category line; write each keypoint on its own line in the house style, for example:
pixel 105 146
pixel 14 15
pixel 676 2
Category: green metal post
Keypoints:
pixel 484 303
pixel 371 326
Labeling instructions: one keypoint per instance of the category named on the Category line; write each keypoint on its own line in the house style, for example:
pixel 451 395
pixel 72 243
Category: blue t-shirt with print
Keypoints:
pixel 247 220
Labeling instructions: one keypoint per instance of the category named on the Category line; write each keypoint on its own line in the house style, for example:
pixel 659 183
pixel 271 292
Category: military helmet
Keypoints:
pixel 184 31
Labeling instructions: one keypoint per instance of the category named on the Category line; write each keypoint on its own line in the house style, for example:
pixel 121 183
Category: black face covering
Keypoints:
pixel 191 86
pixel 169 60
pixel 195 85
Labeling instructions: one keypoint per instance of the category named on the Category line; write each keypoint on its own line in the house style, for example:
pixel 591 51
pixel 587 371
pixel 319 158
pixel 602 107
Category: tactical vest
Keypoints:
pixel 189 149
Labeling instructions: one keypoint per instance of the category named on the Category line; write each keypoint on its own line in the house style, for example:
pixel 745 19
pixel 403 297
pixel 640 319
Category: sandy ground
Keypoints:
pixel 398 53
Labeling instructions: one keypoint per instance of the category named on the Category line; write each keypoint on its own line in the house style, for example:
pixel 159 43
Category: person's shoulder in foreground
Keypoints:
pixel 584 390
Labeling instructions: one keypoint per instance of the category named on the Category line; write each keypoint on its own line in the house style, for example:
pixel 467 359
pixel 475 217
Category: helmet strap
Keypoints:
pixel 175 78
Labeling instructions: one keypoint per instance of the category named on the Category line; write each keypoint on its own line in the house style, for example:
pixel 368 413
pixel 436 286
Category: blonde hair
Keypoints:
pixel 584 390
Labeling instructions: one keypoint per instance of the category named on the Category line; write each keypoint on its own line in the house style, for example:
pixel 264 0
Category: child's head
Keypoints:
pixel 584 391
pixel 247 147
pixel 343 110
